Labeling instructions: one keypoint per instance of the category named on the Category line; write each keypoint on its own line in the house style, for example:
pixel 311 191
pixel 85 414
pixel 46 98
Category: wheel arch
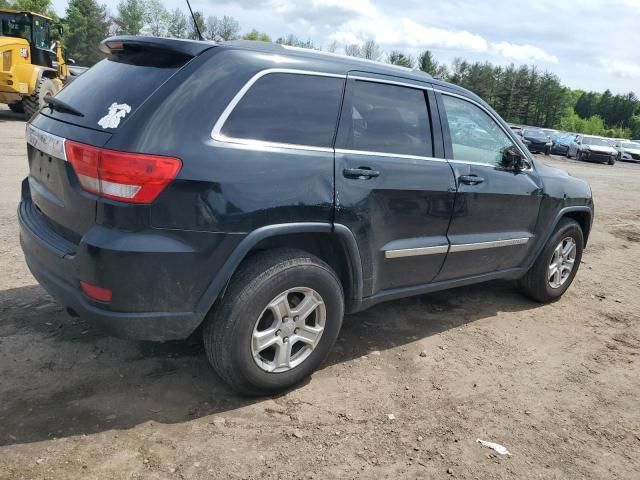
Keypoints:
pixel 334 244
pixel 582 214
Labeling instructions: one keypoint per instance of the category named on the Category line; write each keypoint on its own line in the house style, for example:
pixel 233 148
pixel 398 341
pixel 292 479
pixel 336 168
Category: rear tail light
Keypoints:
pixel 95 292
pixel 127 177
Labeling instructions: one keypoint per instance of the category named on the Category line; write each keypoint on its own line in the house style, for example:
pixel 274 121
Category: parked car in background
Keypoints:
pixel 516 129
pixel 311 185
pixel 560 143
pixel 536 140
pixel 592 149
pixel 628 151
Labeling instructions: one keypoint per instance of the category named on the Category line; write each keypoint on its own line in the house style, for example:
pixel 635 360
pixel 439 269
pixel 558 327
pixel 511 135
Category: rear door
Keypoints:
pixel 496 207
pixel 391 190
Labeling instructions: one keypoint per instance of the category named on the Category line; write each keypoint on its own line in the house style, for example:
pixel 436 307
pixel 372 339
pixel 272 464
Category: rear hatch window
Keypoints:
pixel 111 91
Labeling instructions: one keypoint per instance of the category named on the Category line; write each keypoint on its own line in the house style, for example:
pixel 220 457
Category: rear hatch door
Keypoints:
pixel 103 99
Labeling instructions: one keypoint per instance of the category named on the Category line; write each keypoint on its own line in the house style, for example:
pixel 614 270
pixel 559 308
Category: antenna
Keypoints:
pixel 195 24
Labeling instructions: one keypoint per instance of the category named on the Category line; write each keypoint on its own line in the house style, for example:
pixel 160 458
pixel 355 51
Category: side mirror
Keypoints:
pixel 512 159
pixel 71 61
pixel 60 30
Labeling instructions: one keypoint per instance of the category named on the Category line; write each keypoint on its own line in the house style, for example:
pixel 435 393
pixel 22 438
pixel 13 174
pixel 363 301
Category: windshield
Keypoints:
pixel 534 133
pixel 15 25
pixel 596 141
pixel 630 145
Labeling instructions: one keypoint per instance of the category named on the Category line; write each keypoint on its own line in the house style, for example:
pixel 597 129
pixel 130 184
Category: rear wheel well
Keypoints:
pixel 583 219
pixel 326 246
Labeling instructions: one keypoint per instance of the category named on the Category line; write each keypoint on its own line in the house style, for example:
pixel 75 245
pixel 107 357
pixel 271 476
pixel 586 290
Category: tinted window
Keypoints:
pixel 288 108
pixel 386 118
pixel 475 136
pixel 127 79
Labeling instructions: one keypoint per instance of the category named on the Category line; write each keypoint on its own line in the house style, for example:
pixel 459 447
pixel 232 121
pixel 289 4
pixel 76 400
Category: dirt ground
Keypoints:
pixel 409 388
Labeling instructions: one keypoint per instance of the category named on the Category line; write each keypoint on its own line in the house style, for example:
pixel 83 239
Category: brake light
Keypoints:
pixel 95 292
pixel 127 177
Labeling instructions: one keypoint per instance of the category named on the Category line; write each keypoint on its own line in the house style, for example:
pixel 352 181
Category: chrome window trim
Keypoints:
pixel 46 142
pixel 347 151
pixel 467 247
pixel 414 252
pixel 496 120
pixel 390 82
pixel 217 127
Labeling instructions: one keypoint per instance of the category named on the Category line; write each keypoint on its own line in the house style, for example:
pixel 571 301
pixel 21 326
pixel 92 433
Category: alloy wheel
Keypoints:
pixel 288 330
pixel 562 262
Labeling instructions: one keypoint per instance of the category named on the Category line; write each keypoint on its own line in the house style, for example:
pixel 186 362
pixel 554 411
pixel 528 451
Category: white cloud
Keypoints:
pixel 404 32
pixel 522 53
pixel 621 69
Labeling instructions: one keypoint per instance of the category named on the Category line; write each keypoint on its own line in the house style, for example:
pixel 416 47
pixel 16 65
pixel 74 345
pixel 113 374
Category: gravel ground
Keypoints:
pixel 409 388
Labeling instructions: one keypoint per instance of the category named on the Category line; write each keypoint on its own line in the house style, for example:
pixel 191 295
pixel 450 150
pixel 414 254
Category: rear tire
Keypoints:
pixel 17 107
pixel 33 103
pixel 265 284
pixel 540 283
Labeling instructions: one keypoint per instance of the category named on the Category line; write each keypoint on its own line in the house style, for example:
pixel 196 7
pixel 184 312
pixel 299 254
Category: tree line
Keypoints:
pixel 520 94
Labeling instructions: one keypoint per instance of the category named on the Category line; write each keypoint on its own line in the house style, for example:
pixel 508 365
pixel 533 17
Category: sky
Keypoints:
pixel 589 44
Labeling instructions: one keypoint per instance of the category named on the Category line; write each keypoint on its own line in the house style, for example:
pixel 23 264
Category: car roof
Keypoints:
pixel 343 62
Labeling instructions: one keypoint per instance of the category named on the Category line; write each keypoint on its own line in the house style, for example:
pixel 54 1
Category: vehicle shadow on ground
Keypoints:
pixel 62 377
pixel 8 116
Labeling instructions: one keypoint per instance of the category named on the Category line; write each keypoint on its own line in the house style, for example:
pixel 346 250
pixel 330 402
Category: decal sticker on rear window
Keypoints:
pixel 117 111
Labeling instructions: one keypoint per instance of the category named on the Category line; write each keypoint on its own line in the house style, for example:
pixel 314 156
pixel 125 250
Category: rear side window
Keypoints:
pixel 119 82
pixel 297 109
pixel 387 119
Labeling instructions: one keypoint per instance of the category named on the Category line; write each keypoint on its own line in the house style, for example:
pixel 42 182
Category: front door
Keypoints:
pixel 496 207
pixel 390 190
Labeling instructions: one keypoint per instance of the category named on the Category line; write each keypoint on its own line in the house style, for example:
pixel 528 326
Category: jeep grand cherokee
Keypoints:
pixel 262 191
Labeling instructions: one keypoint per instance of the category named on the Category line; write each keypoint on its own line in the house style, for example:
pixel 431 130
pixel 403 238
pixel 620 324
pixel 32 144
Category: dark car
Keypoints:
pixel 261 191
pixel 536 140
pixel 592 149
pixel 560 143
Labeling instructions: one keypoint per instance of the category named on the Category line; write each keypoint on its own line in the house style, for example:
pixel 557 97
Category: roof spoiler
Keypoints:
pixel 118 44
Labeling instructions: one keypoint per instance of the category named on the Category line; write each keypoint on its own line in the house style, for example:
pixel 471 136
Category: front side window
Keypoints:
pixel 475 136
pixel 288 108
pixel 386 118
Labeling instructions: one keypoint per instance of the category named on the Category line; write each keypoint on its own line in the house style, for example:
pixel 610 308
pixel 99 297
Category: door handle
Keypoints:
pixel 470 179
pixel 360 173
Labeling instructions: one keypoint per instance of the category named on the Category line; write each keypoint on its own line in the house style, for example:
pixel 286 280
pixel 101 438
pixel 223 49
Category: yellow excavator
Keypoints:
pixel 32 65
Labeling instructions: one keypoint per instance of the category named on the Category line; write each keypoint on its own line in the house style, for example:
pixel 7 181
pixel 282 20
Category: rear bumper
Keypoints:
pixel 155 291
pixel 154 326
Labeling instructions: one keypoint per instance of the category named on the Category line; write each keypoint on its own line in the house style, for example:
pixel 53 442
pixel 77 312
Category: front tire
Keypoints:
pixel 34 102
pixel 557 265
pixel 612 161
pixel 276 323
pixel 579 156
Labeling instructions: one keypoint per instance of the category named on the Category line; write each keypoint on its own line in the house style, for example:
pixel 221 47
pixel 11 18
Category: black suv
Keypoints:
pixel 262 191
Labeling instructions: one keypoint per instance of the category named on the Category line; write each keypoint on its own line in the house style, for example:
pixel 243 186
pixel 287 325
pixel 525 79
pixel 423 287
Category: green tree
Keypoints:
pixel 428 64
pixel 257 36
pixel 37 6
pixel 222 29
pixel 87 25
pixel 398 58
pixel 157 18
pixel 199 19
pixel 177 24
pixel 130 17
pixel 293 41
